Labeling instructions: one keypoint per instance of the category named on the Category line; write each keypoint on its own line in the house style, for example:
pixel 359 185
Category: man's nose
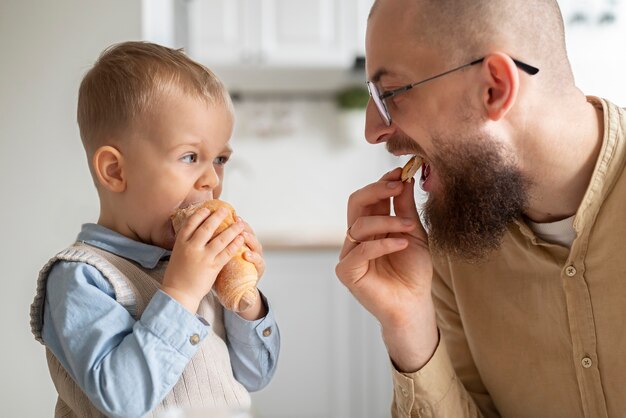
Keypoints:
pixel 376 131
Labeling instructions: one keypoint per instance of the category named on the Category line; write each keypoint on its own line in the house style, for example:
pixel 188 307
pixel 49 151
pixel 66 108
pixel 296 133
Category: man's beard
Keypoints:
pixel 482 193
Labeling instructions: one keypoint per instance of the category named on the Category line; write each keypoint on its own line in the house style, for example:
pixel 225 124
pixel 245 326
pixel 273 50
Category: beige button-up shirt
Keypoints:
pixel 539 330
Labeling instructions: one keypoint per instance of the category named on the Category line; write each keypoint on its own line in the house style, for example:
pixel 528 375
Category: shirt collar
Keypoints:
pixel 101 237
pixel 606 172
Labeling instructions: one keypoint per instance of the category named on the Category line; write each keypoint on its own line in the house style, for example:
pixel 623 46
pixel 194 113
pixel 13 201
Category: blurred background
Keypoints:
pixel 291 66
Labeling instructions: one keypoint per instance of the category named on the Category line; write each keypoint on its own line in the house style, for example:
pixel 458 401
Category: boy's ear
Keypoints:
pixel 108 166
pixel 501 85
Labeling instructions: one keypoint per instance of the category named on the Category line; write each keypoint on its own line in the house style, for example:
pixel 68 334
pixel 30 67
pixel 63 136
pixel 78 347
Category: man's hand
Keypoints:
pixel 389 269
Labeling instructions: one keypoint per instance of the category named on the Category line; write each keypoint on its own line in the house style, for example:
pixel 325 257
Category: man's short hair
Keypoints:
pixel 463 30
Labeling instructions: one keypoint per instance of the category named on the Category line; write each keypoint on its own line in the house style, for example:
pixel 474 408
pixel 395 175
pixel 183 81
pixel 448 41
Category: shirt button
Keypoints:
pixel 267 332
pixel 570 271
pixel 194 339
pixel 405 393
pixel 586 362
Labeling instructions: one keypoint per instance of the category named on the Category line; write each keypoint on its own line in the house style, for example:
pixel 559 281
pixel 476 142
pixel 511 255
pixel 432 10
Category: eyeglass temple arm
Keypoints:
pixel 521 65
pixel 410 86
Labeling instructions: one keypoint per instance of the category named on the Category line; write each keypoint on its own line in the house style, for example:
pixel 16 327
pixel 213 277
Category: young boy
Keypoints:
pixel 127 315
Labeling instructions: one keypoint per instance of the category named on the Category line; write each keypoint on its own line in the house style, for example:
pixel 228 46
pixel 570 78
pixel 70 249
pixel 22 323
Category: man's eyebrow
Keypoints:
pixel 378 74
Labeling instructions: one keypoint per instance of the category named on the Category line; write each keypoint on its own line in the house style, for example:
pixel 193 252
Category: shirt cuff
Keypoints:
pixel 427 386
pixel 251 333
pixel 174 324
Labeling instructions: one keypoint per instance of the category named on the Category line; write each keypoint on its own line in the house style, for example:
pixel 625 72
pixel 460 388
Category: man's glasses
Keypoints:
pixel 380 98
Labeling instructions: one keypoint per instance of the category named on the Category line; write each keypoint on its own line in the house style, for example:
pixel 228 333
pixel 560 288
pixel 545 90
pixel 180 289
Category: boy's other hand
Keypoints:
pixel 255 255
pixel 198 256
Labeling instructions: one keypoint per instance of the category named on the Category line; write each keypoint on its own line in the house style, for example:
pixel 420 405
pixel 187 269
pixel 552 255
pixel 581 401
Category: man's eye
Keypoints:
pixel 220 160
pixel 190 158
pixel 391 101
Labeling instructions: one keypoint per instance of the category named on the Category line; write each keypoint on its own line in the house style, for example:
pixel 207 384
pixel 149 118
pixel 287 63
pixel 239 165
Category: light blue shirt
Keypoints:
pixel 127 367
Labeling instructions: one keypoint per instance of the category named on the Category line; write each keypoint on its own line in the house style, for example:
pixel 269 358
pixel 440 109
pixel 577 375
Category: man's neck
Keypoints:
pixel 564 159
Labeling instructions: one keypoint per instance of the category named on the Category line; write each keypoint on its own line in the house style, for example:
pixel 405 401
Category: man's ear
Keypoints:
pixel 502 85
pixel 108 166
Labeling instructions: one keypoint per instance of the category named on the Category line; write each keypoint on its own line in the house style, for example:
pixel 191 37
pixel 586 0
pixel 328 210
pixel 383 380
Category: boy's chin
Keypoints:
pixel 168 240
pixel 168 245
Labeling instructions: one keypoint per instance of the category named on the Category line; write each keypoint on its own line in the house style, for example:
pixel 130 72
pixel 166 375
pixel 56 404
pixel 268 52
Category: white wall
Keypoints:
pixel 45 47
pixel 596 51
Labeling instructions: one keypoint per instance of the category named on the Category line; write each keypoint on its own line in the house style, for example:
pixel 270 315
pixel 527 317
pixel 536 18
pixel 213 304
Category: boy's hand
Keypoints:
pixel 198 256
pixel 255 255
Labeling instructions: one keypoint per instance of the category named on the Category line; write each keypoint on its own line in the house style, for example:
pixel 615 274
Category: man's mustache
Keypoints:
pixel 403 143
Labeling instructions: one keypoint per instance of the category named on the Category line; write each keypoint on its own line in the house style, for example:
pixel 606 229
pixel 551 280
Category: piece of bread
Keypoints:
pixel 410 168
pixel 235 285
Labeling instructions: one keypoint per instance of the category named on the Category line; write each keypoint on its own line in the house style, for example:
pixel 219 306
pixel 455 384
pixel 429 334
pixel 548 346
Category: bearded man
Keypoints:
pixel 511 301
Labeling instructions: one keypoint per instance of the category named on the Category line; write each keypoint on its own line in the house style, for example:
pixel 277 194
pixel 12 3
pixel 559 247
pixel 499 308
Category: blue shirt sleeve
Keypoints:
pixel 254 347
pixel 125 367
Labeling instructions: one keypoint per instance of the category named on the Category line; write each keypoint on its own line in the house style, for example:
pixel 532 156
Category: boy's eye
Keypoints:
pixel 220 160
pixel 190 158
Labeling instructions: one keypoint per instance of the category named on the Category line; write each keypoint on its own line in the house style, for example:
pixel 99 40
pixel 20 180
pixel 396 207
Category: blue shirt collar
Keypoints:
pixel 99 236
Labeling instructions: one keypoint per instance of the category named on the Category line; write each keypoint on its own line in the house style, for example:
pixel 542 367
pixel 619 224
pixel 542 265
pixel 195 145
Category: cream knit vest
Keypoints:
pixel 206 381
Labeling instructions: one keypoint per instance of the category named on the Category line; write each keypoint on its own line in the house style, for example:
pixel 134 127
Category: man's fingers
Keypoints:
pixel 355 264
pixel 404 203
pixel 368 227
pixel 373 199
pixel 375 192
pixel 394 174
pixel 405 207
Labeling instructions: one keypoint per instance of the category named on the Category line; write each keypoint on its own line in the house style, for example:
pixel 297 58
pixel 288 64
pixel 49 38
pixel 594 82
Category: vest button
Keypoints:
pixel 586 362
pixel 194 339
pixel 267 332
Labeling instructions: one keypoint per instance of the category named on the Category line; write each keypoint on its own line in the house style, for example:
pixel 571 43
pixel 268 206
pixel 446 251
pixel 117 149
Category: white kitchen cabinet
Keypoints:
pixel 283 33
pixel 304 32
pixel 220 31
pixel 261 33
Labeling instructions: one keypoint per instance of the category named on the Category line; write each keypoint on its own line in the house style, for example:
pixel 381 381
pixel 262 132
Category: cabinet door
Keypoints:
pixel 333 363
pixel 362 12
pixel 217 31
pixel 305 32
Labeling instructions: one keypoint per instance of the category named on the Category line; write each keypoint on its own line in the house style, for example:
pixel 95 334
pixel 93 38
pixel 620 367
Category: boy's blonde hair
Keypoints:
pixel 129 79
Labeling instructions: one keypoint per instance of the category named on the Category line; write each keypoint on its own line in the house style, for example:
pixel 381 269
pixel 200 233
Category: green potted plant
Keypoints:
pixel 351 98
pixel 351 102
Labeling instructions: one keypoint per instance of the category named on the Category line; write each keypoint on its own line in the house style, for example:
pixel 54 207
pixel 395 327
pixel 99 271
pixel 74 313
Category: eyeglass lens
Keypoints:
pixel 380 104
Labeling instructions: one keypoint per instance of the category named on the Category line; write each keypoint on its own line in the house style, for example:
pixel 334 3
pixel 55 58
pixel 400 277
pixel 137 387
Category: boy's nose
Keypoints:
pixel 209 180
pixel 376 131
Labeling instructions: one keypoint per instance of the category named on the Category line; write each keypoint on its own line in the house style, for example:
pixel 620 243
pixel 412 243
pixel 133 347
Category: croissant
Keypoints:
pixel 235 285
